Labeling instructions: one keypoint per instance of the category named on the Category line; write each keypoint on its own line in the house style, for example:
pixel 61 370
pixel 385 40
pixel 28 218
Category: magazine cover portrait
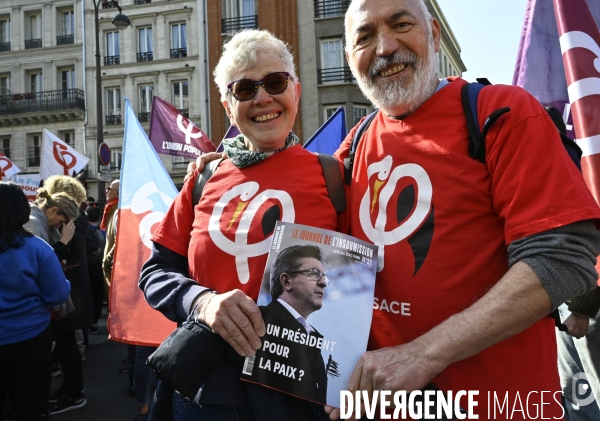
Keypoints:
pixel 316 300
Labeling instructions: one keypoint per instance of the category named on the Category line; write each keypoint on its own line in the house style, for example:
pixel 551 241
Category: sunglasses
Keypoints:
pixel 245 89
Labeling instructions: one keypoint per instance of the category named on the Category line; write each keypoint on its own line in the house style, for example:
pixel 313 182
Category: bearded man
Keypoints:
pixel 477 253
pixel 480 253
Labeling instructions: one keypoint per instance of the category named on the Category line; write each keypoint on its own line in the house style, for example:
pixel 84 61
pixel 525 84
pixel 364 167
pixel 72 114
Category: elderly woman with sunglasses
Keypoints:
pixel 210 258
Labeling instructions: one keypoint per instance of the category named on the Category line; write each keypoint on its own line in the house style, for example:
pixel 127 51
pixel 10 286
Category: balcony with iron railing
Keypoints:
pixel 331 8
pixel 65 39
pixel 33 43
pixel 33 156
pixel 113 119
pixel 335 75
pixel 4 46
pixel 109 4
pixel 141 1
pixel 231 25
pixel 112 60
pixel 144 117
pixel 34 102
pixel 185 112
pixel 178 52
pixel 6 152
pixel 145 56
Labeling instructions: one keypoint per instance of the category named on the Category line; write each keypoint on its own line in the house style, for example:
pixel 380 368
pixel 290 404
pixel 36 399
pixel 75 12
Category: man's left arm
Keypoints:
pixel 519 299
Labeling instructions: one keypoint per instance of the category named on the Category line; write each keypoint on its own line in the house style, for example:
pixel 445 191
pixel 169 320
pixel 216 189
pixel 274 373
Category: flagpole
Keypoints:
pixel 100 195
pixel 120 21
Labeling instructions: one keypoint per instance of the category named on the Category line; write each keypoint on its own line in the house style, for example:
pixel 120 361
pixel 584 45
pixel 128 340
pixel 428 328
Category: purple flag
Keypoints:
pixel 233 131
pixel 171 133
pixel 575 41
pixel 539 68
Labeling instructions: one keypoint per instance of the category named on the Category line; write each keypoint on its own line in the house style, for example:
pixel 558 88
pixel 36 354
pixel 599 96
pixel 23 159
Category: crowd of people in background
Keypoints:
pixel 52 296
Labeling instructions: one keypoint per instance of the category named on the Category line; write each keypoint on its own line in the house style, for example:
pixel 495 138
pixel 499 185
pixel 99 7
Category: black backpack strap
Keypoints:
pixel 203 176
pixel 349 161
pixel 469 97
pixel 334 182
pixel 571 147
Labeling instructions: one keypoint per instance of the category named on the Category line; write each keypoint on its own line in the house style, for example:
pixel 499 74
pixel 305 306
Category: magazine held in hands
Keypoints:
pixel 316 299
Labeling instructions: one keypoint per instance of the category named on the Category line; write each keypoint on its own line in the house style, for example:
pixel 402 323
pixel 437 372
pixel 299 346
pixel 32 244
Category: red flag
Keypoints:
pixel 145 195
pixel 171 133
pixel 580 46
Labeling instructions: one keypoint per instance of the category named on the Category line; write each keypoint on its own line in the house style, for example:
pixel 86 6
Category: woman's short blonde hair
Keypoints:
pixel 241 51
pixel 66 205
pixel 66 184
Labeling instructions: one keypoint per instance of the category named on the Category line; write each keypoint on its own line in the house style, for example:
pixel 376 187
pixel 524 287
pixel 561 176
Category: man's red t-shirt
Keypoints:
pixel 443 221
pixel 226 237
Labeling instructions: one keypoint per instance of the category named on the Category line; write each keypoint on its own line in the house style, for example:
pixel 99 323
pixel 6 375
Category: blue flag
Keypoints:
pixel 330 135
pixel 146 192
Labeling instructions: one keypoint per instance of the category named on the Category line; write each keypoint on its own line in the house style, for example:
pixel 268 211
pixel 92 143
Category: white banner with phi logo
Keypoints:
pixel 7 167
pixel 58 158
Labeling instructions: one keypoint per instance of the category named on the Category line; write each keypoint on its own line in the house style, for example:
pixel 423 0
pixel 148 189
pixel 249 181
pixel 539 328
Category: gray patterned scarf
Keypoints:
pixel 238 153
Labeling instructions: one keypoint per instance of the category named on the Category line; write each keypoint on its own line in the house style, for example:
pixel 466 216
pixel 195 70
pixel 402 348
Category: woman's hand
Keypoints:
pixel 67 232
pixel 235 317
pixel 200 162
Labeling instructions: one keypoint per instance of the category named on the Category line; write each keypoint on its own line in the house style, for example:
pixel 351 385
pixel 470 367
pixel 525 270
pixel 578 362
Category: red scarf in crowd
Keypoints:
pixel 107 209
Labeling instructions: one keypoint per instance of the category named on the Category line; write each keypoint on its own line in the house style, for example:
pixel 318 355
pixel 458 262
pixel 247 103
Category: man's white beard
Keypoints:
pixel 400 96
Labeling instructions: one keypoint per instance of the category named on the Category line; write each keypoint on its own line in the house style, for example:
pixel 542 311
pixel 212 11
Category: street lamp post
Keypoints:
pixel 121 22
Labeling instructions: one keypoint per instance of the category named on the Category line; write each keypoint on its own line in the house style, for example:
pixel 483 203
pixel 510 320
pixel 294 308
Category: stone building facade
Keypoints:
pixel 41 77
pixel 48 72
pixel 326 78
pixel 161 53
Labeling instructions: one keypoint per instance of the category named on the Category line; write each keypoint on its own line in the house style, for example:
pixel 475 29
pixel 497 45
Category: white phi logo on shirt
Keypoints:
pixel 246 210
pixel 384 186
